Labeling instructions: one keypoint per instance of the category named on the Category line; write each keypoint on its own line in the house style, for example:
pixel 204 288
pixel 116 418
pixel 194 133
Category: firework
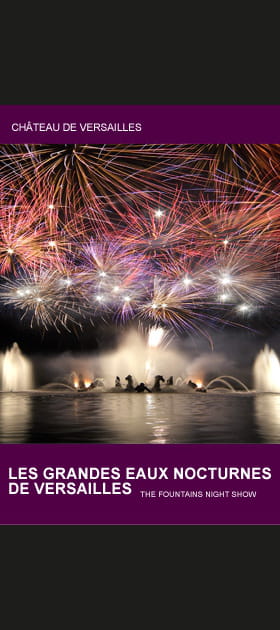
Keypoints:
pixel 21 234
pixel 235 161
pixel 169 236
pixel 157 230
pixel 81 175
pixel 245 274
pixel 44 298
pixel 178 307
pixel 223 216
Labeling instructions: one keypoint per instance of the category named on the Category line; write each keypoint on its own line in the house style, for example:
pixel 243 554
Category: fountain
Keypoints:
pixel 16 371
pixel 141 353
pixel 266 371
pixel 225 380
pixel 143 356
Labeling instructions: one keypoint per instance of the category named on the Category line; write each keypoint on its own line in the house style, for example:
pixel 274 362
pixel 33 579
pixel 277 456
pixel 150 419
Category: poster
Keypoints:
pixel 139 305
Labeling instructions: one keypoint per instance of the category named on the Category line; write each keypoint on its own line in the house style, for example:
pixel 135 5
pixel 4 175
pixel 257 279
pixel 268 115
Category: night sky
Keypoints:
pixel 94 240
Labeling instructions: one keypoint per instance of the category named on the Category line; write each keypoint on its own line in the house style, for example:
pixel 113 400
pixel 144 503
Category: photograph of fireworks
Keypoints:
pixel 150 271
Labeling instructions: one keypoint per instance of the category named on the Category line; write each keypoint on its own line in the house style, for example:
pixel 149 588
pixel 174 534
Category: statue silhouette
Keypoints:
pixel 156 386
pixel 129 386
pixel 192 385
pixel 142 388
pixel 81 384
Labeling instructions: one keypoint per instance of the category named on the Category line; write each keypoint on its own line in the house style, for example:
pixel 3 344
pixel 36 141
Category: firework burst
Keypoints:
pixel 245 274
pixel 171 305
pixel 118 233
pixel 21 234
pixel 43 298
pixel 158 230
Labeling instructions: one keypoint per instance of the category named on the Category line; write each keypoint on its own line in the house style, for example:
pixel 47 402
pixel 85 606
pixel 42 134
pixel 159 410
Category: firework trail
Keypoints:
pixel 236 161
pixel 80 175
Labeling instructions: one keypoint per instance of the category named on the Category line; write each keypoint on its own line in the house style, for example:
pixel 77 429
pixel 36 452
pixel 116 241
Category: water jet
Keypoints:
pixel 266 371
pixel 16 371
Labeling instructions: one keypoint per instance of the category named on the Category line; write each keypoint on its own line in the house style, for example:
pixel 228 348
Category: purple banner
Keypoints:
pixel 140 484
pixel 139 124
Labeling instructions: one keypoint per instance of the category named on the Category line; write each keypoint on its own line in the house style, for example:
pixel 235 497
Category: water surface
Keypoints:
pixel 139 418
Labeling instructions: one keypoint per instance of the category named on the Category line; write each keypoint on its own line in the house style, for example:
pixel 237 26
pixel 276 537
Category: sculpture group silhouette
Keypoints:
pixel 141 387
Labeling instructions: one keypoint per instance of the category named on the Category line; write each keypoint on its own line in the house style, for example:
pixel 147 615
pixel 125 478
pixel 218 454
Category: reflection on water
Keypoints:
pixel 267 410
pixel 158 414
pixel 139 418
pixel 15 416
